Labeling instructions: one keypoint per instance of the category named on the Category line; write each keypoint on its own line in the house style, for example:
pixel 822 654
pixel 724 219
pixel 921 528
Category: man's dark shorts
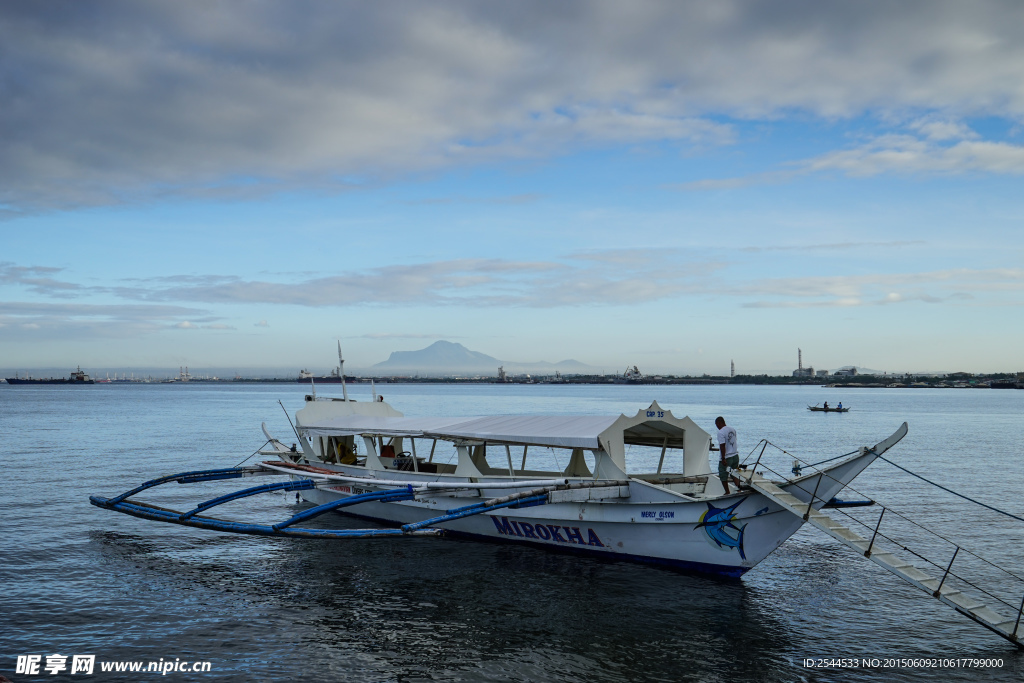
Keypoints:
pixel 732 462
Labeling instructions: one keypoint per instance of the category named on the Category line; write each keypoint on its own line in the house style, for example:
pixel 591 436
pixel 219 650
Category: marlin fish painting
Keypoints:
pixel 715 522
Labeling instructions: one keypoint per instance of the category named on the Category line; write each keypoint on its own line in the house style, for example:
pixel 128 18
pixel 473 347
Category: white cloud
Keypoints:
pixel 910 155
pixel 34 321
pixel 943 129
pixel 932 287
pixel 262 323
pixel 39 280
pixel 583 279
pixel 400 335
pixel 243 99
pixel 836 246
pixel 940 147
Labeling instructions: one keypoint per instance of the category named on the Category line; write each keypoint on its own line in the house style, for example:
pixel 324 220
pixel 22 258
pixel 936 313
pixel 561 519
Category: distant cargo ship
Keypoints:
pixel 337 375
pixel 77 377
pixel 333 378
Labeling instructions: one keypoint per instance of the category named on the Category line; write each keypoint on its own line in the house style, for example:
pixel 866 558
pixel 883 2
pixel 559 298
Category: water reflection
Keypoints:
pixel 462 610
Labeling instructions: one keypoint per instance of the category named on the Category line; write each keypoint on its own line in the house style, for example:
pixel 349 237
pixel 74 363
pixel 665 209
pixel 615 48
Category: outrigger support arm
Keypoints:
pixel 300 485
pixel 401 492
pixel 380 496
pixel 157 514
pixel 192 477
pixel 480 508
pixel 191 518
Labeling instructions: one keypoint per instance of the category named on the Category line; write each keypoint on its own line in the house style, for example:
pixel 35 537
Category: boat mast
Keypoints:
pixel 341 372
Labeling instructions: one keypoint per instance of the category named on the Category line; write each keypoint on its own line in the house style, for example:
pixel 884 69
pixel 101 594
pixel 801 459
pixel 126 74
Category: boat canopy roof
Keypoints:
pixel 651 427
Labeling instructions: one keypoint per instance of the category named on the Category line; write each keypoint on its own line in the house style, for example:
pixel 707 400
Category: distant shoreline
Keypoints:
pixel 994 381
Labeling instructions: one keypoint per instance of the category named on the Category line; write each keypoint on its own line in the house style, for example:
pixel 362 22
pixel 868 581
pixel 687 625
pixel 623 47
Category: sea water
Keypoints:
pixel 78 580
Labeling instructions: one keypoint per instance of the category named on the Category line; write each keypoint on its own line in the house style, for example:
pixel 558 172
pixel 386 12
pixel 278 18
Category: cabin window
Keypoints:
pixel 545 460
pixel 649 460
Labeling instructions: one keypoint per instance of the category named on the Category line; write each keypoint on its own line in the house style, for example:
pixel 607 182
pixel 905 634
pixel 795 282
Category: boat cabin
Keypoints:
pixel 653 445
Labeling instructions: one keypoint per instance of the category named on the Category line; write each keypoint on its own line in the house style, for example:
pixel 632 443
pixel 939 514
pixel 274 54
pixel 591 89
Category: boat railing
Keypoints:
pixel 896 529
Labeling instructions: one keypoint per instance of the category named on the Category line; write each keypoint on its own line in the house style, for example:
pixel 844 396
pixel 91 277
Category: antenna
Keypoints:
pixel 341 373
pixel 306 450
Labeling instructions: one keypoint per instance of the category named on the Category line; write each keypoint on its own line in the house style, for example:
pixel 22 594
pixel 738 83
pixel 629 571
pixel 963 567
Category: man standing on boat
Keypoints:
pixel 728 452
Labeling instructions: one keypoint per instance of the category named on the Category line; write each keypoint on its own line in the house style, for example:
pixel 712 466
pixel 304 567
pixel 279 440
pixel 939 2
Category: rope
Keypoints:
pixel 929 481
pixel 254 452
pixel 747 459
pixel 783 450
pixel 829 460
pixel 947 490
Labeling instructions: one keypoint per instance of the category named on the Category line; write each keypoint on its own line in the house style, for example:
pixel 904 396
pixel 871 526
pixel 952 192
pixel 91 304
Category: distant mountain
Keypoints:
pixel 440 354
pixel 445 357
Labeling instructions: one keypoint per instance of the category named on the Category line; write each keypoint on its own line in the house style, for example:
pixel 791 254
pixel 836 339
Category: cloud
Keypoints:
pixel 262 323
pixel 716 184
pixel 398 335
pixel 36 321
pixel 943 129
pixel 154 312
pixel 38 281
pixel 937 147
pixel 585 279
pixel 581 279
pixel 837 246
pixel 906 154
pixel 934 287
pixel 109 101
pixel 510 200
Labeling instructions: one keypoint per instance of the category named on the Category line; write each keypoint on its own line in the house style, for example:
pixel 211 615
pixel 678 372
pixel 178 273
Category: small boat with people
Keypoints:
pixel 634 487
pixel 828 409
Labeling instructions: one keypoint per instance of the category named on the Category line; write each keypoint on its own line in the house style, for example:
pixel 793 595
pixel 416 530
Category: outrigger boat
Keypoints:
pixel 354 459
pixel 368 460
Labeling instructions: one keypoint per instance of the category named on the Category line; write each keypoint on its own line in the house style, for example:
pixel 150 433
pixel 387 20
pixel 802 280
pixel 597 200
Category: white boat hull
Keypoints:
pixel 725 536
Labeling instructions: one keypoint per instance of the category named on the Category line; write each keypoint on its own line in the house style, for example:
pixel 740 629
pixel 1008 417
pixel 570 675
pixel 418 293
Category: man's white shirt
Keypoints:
pixel 727 440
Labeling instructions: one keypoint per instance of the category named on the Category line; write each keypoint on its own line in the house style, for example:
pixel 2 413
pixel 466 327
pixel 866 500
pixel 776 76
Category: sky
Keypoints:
pixel 672 185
